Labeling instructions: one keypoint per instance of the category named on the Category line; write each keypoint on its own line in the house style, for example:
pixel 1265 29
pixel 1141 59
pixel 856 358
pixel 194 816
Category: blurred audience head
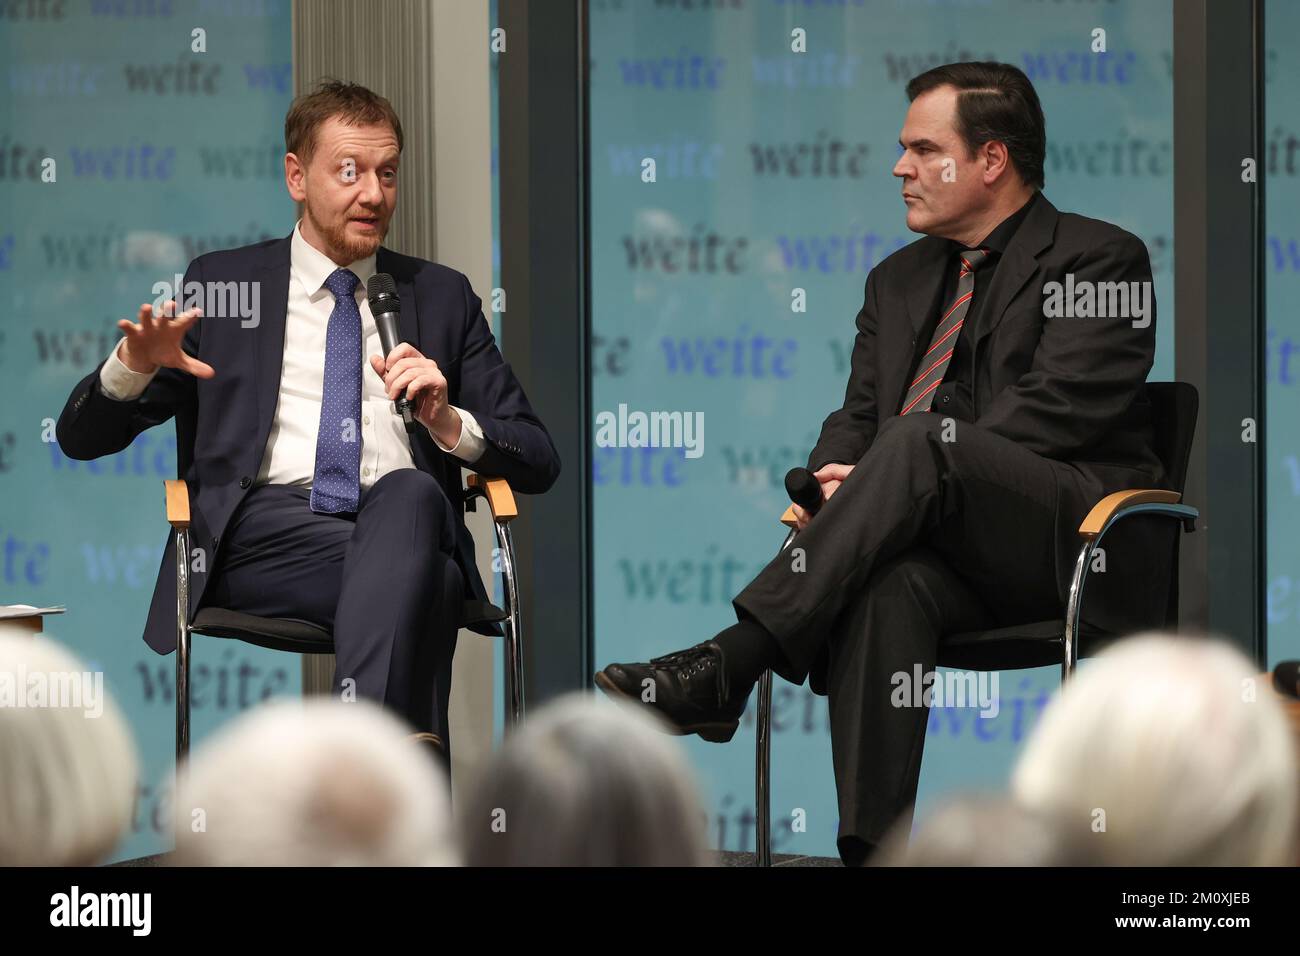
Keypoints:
pixel 68 766
pixel 979 830
pixel 585 782
pixel 1167 751
pixel 313 782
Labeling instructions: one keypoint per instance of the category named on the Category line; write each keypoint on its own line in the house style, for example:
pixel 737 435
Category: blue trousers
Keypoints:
pixel 383 580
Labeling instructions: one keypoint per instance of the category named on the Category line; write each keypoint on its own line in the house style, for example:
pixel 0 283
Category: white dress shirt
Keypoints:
pixel 290 454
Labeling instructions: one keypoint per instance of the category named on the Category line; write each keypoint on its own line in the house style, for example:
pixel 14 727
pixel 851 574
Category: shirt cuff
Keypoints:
pixel 119 382
pixel 469 448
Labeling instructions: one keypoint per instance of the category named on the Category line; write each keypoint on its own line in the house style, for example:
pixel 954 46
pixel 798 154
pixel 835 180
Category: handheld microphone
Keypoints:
pixel 804 490
pixel 386 307
pixel 1286 678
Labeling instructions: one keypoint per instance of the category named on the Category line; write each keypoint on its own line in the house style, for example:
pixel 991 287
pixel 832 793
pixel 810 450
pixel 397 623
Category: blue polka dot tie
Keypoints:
pixel 336 486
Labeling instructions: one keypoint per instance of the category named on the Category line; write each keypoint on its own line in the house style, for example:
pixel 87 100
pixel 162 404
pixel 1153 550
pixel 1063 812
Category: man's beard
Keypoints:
pixel 345 247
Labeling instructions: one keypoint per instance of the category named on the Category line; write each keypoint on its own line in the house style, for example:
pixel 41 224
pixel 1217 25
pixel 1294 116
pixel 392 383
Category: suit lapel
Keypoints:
pixel 409 331
pixel 923 288
pixel 408 324
pixel 1018 264
pixel 922 280
pixel 268 337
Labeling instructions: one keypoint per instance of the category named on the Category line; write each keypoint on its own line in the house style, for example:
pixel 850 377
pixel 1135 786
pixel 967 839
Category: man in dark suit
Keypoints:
pixel 982 420
pixel 309 498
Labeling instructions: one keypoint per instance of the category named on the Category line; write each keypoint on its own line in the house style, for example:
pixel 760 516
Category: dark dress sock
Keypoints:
pixel 747 650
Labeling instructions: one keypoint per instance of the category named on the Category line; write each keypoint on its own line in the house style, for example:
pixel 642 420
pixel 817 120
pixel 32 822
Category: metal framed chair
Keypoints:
pixel 300 637
pixel 1173 411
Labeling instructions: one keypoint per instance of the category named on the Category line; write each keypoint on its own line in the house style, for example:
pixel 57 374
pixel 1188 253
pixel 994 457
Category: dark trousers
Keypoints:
pixel 925 537
pixel 382 580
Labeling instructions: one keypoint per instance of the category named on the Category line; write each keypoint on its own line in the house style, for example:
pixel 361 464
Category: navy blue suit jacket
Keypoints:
pixel 222 423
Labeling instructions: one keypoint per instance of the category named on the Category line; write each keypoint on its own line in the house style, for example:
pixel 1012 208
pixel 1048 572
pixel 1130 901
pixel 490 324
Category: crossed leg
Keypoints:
pixel 383 581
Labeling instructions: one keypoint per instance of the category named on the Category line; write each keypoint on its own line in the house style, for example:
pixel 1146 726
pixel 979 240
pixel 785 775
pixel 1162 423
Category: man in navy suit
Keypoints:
pixel 309 498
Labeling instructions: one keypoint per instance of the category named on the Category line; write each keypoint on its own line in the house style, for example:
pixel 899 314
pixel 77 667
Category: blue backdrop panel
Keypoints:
pixel 160 154
pixel 1279 169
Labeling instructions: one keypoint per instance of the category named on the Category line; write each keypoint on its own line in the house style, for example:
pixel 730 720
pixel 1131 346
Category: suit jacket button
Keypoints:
pixel 245 481
pixel 947 399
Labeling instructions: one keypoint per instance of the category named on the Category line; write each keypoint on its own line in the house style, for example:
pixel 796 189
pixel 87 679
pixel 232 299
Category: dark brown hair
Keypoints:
pixel 995 101
pixel 351 102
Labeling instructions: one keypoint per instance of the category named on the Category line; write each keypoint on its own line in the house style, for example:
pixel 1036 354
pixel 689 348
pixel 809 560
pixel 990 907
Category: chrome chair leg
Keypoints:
pixel 763 772
pixel 1073 612
pixel 763 760
pixel 514 656
pixel 182 645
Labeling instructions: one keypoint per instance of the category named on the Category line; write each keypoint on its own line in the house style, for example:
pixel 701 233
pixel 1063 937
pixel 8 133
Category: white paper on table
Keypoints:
pixel 26 610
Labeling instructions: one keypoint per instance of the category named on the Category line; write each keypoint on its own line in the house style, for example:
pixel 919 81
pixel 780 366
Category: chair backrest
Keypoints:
pixel 1174 407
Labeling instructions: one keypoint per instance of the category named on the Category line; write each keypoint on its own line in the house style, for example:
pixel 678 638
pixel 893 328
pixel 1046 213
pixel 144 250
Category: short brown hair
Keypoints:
pixel 351 102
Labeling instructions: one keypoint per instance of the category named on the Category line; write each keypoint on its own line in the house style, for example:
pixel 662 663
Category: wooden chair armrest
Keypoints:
pixel 499 496
pixel 1109 506
pixel 1102 512
pixel 178 503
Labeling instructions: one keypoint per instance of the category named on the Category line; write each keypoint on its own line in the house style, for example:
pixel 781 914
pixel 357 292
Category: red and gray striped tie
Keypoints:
pixel 935 361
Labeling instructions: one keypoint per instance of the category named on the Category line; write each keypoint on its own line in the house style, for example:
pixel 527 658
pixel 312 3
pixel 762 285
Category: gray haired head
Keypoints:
pixel 585 782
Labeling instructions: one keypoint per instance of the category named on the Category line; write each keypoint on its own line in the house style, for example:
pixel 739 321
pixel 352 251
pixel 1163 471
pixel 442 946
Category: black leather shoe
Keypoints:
pixel 690 691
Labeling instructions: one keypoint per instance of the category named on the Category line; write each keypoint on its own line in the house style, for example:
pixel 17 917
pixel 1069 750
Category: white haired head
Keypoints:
pixel 314 782
pixel 585 782
pixel 1167 751
pixel 68 766
pixel 978 830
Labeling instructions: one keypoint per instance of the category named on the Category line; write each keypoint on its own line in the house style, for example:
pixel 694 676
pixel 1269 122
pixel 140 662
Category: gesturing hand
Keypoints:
pixel 156 341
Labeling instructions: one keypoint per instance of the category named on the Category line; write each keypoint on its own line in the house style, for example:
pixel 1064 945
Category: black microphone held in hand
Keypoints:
pixel 1286 678
pixel 386 307
pixel 804 489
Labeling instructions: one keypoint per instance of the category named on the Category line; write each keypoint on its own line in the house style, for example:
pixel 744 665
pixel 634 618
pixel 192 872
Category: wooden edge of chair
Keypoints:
pixel 1101 512
pixel 427 738
pixel 1109 506
pixel 178 503
pixel 499 496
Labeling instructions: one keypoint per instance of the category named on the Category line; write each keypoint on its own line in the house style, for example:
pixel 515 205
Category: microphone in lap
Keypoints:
pixel 1286 678
pixel 804 490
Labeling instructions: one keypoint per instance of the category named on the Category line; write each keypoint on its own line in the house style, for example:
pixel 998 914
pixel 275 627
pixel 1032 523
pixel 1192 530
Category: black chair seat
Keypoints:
pixel 277 633
pixel 301 637
pixel 1021 645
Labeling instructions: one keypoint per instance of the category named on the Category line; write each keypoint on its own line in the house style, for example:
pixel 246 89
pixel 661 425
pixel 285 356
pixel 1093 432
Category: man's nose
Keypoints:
pixel 371 196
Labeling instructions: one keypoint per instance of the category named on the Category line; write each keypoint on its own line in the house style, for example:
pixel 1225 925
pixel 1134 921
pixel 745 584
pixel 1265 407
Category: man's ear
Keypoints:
pixel 997 161
pixel 295 174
